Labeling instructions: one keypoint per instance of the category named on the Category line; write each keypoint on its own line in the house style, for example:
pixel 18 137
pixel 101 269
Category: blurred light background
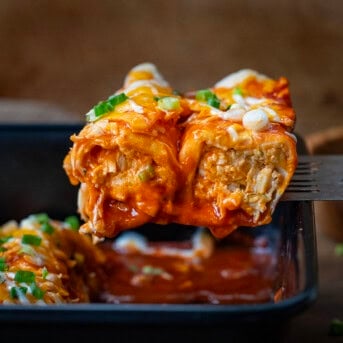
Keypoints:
pixel 74 53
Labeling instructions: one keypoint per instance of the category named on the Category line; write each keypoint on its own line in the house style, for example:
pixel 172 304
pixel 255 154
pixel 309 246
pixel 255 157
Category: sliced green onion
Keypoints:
pixel 37 292
pixel 207 96
pixel 147 174
pixel 31 239
pixel 150 270
pixel 27 249
pixel 45 273
pixel 168 103
pixel 73 222
pixel 5 239
pixel 24 276
pixel 41 218
pixel 228 107
pixel 3 265
pixel 90 116
pixel 106 106
pixel 237 91
pixel 214 102
pixel 101 108
pixel 47 228
pixel 339 249
pixel 336 327
pixel 2 249
pixel 2 278
pixel 156 98
pixel 115 100
pixel 204 95
pixel 15 291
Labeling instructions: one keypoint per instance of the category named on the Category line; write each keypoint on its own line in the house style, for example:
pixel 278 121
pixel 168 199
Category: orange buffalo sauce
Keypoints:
pixel 233 274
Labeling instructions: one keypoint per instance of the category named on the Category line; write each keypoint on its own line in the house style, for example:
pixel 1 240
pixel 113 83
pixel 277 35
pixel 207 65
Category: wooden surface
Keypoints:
pixel 310 326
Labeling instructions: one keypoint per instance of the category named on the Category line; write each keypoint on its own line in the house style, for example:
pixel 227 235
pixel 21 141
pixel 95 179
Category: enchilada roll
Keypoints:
pixel 45 262
pixel 237 153
pixel 125 158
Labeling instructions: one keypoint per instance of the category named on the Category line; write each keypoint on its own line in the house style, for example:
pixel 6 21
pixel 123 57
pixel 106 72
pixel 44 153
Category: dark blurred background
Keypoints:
pixel 74 53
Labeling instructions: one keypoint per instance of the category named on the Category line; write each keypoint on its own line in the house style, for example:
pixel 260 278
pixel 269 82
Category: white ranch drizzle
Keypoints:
pixel 255 120
pixel 152 84
pixel 131 242
pixel 136 108
pixel 291 135
pixel 150 68
pixel 235 113
pixel 238 77
pixel 233 133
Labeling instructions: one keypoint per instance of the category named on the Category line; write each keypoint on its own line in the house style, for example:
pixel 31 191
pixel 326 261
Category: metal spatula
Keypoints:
pixel 318 177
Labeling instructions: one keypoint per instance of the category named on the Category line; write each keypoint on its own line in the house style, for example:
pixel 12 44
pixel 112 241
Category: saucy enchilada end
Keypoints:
pixel 218 157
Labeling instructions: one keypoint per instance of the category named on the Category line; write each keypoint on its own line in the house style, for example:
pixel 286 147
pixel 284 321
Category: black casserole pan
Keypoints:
pixel 32 180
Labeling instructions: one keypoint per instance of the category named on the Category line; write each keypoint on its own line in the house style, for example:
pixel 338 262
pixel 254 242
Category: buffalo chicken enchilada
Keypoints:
pixel 219 157
pixel 126 158
pixel 44 261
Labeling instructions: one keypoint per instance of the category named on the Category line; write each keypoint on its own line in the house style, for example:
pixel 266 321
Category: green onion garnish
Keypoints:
pixel 3 265
pixel 73 222
pixel 150 270
pixel 339 249
pixel 106 106
pixel 24 276
pixel 207 96
pixel 237 91
pixel 204 95
pixel 27 249
pixel 47 228
pixel 336 327
pixel 115 100
pixel 41 218
pixel 101 108
pixel 15 291
pixel 228 107
pixel 4 239
pixel 214 102
pixel 90 116
pixel 168 103
pixel 37 292
pixel 2 249
pixel 147 174
pixel 2 278
pixel 45 273
pixel 31 239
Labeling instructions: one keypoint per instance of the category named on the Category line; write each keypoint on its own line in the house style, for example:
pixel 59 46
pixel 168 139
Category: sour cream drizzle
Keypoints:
pixel 238 77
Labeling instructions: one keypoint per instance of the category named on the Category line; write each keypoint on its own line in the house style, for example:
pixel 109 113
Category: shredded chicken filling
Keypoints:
pixel 246 179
